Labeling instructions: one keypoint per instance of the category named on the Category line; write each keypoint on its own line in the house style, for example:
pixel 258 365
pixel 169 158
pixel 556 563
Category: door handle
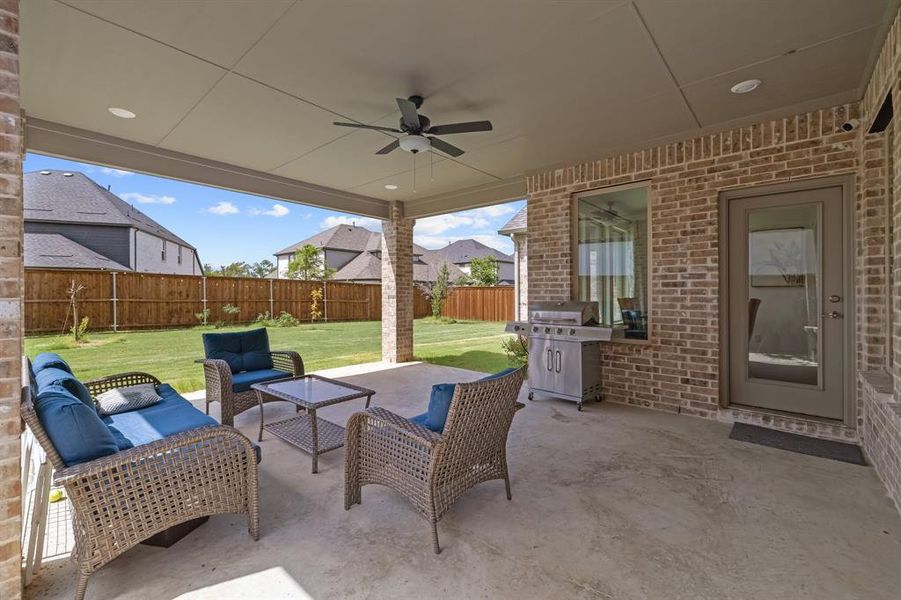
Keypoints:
pixel 559 361
pixel 550 360
pixel 832 315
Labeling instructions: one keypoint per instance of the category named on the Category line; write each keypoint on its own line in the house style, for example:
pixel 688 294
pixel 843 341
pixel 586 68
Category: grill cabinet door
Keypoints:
pixel 542 366
pixel 569 359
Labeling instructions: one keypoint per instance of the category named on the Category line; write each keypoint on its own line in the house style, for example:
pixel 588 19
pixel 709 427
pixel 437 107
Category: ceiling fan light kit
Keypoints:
pixel 418 133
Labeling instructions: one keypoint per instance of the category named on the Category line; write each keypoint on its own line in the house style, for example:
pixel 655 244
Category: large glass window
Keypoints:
pixel 612 256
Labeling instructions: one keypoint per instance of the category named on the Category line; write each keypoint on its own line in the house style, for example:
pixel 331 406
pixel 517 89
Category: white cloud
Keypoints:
pixel 115 172
pixel 441 223
pixel 223 208
pixel 147 198
pixel 277 210
pixel 367 222
pixel 435 242
pixel 491 212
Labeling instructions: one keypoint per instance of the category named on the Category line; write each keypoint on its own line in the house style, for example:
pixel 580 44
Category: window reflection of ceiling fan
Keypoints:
pixel 419 133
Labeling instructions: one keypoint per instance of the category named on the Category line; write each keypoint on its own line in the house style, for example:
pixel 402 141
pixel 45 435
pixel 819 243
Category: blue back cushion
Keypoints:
pixel 32 381
pixel 440 401
pixel 49 359
pixel 53 376
pixel 242 350
pixel 75 429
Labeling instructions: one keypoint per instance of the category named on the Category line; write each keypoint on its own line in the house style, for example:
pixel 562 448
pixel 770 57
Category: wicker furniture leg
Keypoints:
pixel 435 537
pixel 368 399
pixel 82 586
pixel 260 400
pixel 314 433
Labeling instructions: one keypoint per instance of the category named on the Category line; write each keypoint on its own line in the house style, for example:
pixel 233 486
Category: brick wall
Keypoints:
pixel 678 371
pixel 397 286
pixel 11 276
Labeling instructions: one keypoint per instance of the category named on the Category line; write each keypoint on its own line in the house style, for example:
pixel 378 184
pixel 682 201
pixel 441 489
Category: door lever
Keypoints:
pixel 832 315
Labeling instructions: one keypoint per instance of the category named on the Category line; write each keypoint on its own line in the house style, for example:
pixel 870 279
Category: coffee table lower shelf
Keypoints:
pixel 298 431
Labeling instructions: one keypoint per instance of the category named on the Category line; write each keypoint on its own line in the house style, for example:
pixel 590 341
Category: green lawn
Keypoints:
pixel 170 355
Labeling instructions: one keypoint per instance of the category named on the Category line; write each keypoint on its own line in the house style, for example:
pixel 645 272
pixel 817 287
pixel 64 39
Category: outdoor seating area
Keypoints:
pixel 319 300
pixel 637 504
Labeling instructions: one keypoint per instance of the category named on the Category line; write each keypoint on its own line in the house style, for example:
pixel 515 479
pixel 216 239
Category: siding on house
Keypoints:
pixel 109 240
pixel 149 256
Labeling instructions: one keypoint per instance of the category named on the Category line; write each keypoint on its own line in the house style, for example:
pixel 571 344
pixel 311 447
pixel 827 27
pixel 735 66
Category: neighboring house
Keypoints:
pixel 73 223
pixel 461 253
pixel 516 229
pixel 356 255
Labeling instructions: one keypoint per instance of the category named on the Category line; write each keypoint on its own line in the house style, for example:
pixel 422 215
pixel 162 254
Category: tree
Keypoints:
pixel 438 291
pixel 235 269
pixel 261 269
pixel 308 264
pixel 484 271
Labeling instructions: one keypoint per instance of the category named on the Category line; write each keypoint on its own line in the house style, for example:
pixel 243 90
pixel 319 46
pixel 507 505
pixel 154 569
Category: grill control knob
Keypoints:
pixel 547 329
pixel 559 331
pixel 572 332
pixel 535 330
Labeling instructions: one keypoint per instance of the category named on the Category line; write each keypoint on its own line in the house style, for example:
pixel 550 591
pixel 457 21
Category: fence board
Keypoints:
pixel 152 301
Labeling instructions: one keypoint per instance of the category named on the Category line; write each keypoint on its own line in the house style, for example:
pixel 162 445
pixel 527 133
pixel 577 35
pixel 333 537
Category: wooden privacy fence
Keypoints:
pixel 123 301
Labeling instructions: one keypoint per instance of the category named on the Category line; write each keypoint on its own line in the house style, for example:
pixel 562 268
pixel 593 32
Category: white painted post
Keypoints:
pixel 325 300
pixel 205 314
pixel 271 301
pixel 115 305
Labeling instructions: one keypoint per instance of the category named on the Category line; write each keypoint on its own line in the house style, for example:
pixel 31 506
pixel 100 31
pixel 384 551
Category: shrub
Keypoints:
pixel 315 310
pixel 80 331
pixel 284 319
pixel 517 350
pixel 203 316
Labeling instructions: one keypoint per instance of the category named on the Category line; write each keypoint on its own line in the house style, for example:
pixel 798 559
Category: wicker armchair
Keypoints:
pixel 124 498
pixel 430 469
pixel 220 388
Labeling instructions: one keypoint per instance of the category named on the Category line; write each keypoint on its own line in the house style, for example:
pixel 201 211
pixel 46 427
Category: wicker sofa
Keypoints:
pixel 127 496
pixel 431 469
pixel 235 361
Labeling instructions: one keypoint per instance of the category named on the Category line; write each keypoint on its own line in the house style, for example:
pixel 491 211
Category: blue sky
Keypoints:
pixel 227 226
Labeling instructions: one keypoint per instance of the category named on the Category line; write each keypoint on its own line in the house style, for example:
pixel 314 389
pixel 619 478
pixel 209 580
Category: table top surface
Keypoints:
pixel 312 391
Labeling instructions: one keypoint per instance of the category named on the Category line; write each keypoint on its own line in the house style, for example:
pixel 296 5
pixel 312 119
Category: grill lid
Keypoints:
pixel 564 313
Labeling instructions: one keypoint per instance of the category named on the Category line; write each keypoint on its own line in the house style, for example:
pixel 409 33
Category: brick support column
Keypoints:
pixel 397 286
pixel 11 288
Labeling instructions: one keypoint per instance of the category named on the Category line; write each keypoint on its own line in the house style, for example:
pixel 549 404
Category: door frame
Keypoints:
pixel 846 182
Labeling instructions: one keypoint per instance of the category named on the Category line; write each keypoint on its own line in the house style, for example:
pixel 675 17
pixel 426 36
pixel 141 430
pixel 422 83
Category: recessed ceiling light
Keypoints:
pixel 743 87
pixel 390 186
pixel 122 113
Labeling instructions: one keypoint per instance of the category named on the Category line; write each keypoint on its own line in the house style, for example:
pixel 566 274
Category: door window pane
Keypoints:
pixel 612 257
pixel 783 298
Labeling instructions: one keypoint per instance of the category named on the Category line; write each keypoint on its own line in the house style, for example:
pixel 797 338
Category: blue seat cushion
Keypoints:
pixel 173 414
pixel 421 420
pixel 440 401
pixel 75 429
pixel 56 376
pixel 241 382
pixel 242 350
pixel 49 359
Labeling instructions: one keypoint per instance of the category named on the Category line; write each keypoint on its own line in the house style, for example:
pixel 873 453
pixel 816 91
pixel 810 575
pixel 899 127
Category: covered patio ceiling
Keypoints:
pixel 243 94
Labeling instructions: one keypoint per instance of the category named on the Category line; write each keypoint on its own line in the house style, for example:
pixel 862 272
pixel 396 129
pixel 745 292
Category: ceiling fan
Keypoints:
pixel 419 131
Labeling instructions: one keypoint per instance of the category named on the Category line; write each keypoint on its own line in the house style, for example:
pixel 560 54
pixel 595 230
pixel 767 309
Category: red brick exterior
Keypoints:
pixel 11 277
pixel 678 370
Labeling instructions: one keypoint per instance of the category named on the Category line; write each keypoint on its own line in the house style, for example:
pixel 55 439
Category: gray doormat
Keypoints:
pixel 793 442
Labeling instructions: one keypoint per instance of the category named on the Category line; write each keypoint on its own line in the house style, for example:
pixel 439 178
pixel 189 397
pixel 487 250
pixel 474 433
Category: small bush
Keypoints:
pixel 284 319
pixel 80 331
pixel 203 316
pixel 315 309
pixel 231 310
pixel 517 350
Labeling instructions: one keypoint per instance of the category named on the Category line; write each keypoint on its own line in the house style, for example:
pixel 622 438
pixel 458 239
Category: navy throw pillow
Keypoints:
pixel 53 376
pixel 439 406
pixel 75 429
pixel 49 359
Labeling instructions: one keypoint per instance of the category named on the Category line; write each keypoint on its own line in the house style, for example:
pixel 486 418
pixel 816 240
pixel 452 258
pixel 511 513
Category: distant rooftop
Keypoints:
pixel 517 224
pixel 55 251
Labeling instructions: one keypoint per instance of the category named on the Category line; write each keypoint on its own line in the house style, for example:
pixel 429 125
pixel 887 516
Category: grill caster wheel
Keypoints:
pixel 579 407
pixel 531 395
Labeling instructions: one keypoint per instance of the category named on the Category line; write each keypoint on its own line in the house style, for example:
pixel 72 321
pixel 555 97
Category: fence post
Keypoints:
pixel 325 300
pixel 204 311
pixel 115 305
pixel 271 301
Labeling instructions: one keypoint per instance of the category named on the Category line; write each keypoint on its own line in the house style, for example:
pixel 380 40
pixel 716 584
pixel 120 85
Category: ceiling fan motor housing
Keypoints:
pixel 424 124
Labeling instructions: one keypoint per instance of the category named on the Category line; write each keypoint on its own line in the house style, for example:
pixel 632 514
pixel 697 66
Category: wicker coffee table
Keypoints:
pixel 306 431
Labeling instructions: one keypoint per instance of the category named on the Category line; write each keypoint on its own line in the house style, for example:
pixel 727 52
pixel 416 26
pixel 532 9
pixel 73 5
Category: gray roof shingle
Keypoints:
pixel 517 224
pixel 339 237
pixel 54 196
pixel 55 251
pixel 463 251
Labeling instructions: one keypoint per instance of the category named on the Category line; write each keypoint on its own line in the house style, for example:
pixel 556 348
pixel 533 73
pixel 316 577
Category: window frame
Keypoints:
pixel 574 249
pixel 164 252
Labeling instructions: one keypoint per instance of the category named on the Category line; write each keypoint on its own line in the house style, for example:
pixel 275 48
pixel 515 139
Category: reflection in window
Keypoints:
pixel 612 257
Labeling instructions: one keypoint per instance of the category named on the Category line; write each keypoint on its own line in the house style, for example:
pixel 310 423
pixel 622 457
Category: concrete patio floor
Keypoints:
pixel 614 502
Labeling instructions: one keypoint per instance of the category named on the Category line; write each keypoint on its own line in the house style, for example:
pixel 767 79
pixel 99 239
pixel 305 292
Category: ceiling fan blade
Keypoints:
pixel 409 114
pixel 362 126
pixel 445 147
pixel 470 127
pixel 390 147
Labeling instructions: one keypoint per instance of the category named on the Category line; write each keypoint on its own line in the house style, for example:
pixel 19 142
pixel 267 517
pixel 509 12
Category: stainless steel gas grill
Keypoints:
pixel 564 351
